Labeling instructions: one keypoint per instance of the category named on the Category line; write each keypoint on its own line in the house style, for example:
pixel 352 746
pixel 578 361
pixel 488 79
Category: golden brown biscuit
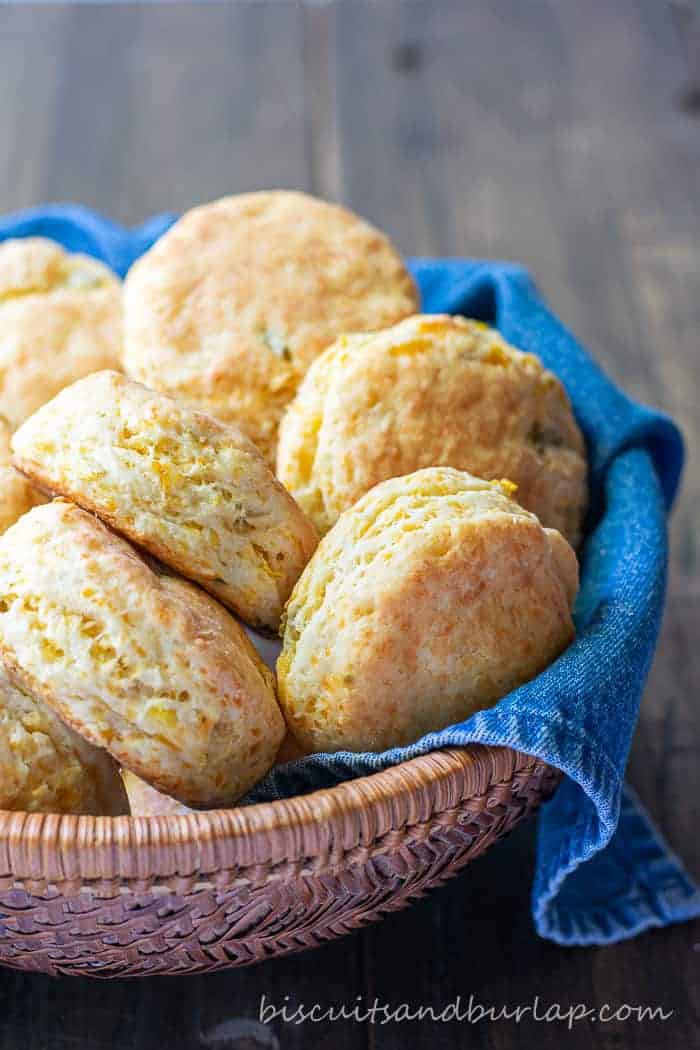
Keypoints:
pixel 191 490
pixel 45 767
pixel 17 494
pixel 431 598
pixel 139 662
pixel 60 319
pixel 432 391
pixel 231 305
pixel 145 801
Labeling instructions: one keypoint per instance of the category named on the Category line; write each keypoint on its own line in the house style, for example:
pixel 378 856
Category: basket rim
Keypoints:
pixel 53 849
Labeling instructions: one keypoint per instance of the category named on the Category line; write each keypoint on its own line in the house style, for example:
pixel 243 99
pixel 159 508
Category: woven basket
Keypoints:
pixel 127 896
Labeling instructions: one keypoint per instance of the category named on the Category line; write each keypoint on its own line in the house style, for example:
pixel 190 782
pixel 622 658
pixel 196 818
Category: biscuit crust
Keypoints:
pixel 433 390
pixel 194 492
pixel 231 306
pixel 45 767
pixel 431 598
pixel 60 319
pixel 137 661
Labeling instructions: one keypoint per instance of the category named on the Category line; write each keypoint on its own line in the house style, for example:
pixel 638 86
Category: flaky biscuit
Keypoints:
pixel 431 598
pixel 17 494
pixel 45 767
pixel 60 319
pixel 140 662
pixel 231 305
pixel 432 391
pixel 193 491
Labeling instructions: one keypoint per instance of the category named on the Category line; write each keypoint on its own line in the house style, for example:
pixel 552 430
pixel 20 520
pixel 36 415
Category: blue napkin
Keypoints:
pixel 603 873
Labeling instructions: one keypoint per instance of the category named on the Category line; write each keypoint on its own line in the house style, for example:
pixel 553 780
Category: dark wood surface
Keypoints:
pixel 563 134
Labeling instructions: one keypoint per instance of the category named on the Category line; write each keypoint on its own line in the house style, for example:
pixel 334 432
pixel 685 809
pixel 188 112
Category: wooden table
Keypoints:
pixel 559 133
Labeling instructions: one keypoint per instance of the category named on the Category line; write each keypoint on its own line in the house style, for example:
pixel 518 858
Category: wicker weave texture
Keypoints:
pixel 116 897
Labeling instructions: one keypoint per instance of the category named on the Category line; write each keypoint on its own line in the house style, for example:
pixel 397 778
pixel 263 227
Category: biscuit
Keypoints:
pixel 432 597
pixel 17 494
pixel 432 391
pixel 193 491
pixel 145 801
pixel 137 661
pixel 231 305
pixel 45 767
pixel 60 319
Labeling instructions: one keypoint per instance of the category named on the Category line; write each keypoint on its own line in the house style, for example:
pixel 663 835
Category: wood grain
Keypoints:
pixel 140 108
pixel 557 134
pixel 561 134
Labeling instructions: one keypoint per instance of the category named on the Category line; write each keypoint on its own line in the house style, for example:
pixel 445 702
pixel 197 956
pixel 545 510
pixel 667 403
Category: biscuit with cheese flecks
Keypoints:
pixel 138 661
pixel 433 390
pixel 193 491
pixel 431 598
pixel 230 307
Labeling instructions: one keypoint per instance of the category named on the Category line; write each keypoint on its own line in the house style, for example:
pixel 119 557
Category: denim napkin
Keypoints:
pixel 602 873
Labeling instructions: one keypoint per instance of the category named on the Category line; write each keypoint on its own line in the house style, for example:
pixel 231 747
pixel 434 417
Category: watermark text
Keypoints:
pixel 466 1010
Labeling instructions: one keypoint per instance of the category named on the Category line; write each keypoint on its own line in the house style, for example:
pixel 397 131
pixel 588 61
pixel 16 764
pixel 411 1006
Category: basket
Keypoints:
pixel 130 896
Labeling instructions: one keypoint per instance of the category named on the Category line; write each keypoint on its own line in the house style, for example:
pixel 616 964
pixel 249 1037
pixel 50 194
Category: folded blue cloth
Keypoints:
pixel 603 873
